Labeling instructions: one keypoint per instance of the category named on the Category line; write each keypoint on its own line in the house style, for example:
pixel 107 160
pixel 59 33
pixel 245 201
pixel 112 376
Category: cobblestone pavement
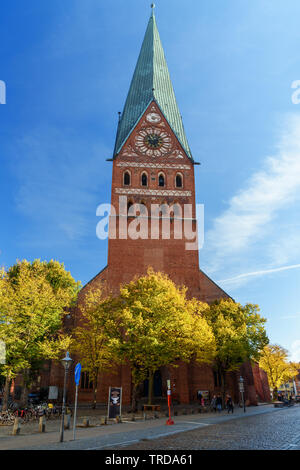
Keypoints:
pixel 261 427
pixel 268 431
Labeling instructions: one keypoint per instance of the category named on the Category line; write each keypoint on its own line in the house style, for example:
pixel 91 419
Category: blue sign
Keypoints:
pixel 77 373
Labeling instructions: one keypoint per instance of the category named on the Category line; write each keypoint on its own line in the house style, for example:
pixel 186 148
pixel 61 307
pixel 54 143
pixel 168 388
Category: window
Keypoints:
pixel 86 383
pixel 178 181
pixel 130 203
pixel 177 210
pixel 143 208
pixel 144 179
pixel 161 180
pixel 127 178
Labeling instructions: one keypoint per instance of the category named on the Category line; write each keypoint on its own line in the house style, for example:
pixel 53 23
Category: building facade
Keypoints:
pixel 153 167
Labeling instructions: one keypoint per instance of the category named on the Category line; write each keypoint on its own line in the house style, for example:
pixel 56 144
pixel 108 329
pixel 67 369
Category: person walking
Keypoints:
pixel 213 403
pixel 229 404
pixel 219 403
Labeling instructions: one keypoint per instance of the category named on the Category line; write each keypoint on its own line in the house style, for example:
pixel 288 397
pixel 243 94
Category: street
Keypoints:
pixel 279 430
pixel 262 427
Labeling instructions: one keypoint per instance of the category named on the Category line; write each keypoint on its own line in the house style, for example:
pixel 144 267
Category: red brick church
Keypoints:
pixel 153 164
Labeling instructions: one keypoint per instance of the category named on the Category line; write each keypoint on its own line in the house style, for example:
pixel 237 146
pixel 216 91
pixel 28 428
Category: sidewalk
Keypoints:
pixel 126 433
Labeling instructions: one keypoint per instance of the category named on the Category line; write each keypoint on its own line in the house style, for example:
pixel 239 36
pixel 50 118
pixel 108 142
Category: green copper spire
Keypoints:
pixel 151 81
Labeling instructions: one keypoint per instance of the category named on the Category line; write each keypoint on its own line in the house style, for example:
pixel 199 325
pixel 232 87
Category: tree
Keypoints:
pixel 239 334
pixel 161 327
pixel 95 339
pixel 34 297
pixel 274 361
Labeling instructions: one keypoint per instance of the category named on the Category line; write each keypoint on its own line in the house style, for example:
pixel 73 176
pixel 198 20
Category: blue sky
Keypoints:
pixel 67 67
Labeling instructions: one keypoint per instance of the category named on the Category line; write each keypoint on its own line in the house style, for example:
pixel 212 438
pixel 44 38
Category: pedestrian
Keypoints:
pixel 199 396
pixel 213 403
pixel 229 404
pixel 219 403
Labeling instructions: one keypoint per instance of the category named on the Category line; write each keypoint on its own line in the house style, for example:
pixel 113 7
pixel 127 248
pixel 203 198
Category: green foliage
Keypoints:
pixel 95 339
pixel 274 361
pixel 239 333
pixel 33 301
pixel 161 326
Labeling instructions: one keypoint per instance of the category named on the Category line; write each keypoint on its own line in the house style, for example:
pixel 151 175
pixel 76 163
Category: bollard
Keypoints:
pixel 86 422
pixel 145 416
pixel 103 421
pixel 67 423
pixel 17 427
pixel 42 424
pixel 132 418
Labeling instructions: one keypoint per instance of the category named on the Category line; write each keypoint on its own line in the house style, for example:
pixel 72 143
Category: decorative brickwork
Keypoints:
pixel 151 139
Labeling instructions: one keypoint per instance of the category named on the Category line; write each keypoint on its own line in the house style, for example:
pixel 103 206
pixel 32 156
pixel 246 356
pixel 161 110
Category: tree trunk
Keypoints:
pixel 6 393
pixel 150 388
pixel 134 398
pixel 223 387
pixel 95 390
pixel 25 391
pixel 275 393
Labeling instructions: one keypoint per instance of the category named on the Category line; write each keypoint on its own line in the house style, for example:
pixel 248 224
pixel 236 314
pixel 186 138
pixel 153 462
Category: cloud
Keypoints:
pixel 259 230
pixel 259 273
pixel 295 351
pixel 289 317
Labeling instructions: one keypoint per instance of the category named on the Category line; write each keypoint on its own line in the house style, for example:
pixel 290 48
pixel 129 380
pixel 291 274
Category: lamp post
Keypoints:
pixel 66 362
pixel 242 390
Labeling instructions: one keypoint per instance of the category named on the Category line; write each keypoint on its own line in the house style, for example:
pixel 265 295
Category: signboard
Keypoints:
pixel 53 393
pixel 241 386
pixel 204 393
pixel 114 402
pixel 77 373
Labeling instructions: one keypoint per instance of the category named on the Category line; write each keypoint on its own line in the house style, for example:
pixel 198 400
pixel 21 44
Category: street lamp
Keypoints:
pixel 242 390
pixel 66 362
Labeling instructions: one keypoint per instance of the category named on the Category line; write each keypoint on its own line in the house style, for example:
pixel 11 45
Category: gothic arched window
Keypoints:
pixel 144 179
pixel 143 207
pixel 178 181
pixel 127 178
pixel 130 203
pixel 161 180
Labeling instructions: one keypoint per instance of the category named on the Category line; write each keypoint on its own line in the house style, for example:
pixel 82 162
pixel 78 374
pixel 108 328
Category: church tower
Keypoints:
pixel 153 220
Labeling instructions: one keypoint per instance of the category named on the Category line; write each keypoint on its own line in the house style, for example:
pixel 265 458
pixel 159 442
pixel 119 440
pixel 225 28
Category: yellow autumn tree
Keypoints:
pixel 34 298
pixel 274 361
pixel 160 326
pixel 95 338
pixel 239 333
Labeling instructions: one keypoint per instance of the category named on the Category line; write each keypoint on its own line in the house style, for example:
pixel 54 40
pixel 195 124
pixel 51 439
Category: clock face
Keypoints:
pixel 154 118
pixel 153 142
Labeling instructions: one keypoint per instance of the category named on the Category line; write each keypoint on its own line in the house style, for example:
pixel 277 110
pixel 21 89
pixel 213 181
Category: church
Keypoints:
pixel 152 165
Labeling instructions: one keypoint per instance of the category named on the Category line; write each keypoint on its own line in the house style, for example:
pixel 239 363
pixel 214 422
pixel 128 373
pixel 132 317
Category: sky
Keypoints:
pixel 67 67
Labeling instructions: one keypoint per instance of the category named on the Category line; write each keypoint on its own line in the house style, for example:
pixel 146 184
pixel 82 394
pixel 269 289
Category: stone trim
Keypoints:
pixel 164 166
pixel 153 192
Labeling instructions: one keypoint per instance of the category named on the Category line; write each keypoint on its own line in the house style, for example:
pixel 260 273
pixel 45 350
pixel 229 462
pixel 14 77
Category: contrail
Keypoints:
pixel 261 273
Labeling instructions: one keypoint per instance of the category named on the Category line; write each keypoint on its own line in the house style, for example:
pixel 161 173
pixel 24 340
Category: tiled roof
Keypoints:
pixel 151 80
